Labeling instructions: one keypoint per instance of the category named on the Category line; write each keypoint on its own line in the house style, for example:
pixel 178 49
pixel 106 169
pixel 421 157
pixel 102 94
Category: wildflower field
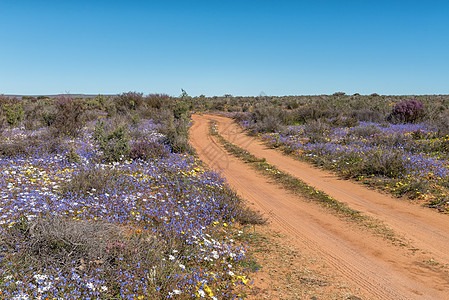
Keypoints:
pixel 405 158
pixel 115 208
pixel 397 144
pixel 103 197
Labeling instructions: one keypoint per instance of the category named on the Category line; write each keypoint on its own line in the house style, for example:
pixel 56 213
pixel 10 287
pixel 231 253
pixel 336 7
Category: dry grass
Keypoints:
pixel 67 247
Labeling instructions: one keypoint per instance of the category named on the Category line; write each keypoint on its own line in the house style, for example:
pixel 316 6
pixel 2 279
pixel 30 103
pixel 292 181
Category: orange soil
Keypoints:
pixel 378 269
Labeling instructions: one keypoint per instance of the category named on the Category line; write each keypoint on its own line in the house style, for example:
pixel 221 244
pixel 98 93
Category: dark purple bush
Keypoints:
pixel 407 111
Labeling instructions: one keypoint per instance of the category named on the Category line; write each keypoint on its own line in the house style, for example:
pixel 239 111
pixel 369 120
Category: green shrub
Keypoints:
pixel 382 164
pixel 316 131
pixel 127 101
pixel 113 144
pixel 14 113
pixel 176 135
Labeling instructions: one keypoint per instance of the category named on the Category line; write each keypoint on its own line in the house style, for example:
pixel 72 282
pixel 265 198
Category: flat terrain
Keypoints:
pixel 372 267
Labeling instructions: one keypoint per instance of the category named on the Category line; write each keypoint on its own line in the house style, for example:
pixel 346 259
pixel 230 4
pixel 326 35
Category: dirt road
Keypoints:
pixel 377 268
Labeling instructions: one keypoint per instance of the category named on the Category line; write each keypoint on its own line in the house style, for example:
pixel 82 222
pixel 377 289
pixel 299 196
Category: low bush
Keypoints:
pixel 177 143
pixel 147 150
pixel 90 115
pixel 91 180
pixel 268 124
pixel 2 122
pixel 32 145
pixel 365 131
pixel 113 143
pixel 441 124
pixel 76 250
pixel 241 117
pixel 306 113
pixel 367 115
pixel 342 121
pixel 157 115
pixel 391 140
pixel 9 150
pixel 68 116
pixel 14 113
pixel 157 101
pixel 176 135
pixel 379 163
pixel 407 111
pixel 266 119
pixel 316 131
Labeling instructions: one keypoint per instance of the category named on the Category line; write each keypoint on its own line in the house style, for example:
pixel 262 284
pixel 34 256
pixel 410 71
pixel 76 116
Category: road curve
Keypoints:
pixel 378 269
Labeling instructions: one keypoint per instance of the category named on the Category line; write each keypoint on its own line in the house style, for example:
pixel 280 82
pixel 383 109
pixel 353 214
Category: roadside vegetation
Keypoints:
pixel 297 186
pixel 396 143
pixel 101 198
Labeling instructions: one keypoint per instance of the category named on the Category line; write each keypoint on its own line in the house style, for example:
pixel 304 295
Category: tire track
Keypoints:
pixel 378 269
pixel 426 229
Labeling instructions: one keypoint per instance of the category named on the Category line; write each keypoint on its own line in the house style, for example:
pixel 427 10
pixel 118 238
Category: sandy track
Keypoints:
pixel 378 269
pixel 426 229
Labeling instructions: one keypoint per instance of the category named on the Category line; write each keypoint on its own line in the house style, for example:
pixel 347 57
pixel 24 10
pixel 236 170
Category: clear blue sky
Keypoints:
pixel 224 47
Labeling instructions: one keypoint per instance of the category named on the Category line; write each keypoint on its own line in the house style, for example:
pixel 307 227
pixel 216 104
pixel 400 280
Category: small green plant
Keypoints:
pixel 14 113
pixel 48 118
pixel 113 144
pixel 72 156
pixel 251 264
pixel 97 102
pixel 181 106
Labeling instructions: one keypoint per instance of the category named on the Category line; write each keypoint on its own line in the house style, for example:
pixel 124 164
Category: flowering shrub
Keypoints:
pixel 407 111
pixel 113 144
